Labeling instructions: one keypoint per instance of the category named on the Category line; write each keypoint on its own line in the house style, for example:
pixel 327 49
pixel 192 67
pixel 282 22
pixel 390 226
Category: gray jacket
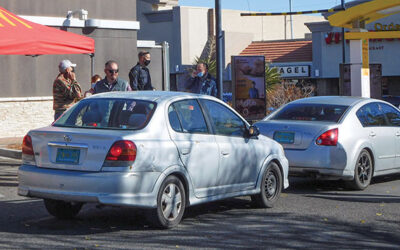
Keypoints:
pixel 119 85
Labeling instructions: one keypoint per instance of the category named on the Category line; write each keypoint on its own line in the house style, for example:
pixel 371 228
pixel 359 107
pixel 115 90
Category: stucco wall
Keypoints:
pixel 327 57
pixel 18 117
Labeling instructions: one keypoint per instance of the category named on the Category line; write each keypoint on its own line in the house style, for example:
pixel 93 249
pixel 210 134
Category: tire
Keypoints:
pixel 362 171
pixel 271 187
pixel 62 209
pixel 171 204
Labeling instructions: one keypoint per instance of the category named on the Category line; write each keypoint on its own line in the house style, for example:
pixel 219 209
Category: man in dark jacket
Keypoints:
pixel 201 82
pixel 111 82
pixel 139 76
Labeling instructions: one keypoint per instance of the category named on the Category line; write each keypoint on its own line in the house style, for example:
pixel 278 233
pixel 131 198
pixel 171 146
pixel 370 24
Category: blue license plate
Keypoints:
pixel 284 137
pixel 69 156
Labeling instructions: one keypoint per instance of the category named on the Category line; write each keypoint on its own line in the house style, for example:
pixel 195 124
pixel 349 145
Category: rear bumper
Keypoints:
pixel 319 161
pixel 109 188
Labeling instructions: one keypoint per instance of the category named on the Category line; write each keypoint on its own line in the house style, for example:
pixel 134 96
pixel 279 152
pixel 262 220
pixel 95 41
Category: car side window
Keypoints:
pixel 370 115
pixel 392 115
pixel 224 121
pixel 174 119
pixel 190 116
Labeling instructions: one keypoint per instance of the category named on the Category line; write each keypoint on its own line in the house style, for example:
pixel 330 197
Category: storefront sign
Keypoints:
pixel 248 77
pixel 294 71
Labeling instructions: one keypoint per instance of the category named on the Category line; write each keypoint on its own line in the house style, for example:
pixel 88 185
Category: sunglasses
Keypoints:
pixel 113 71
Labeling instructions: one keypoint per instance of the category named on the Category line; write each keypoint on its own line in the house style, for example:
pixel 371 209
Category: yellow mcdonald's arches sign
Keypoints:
pixel 5 16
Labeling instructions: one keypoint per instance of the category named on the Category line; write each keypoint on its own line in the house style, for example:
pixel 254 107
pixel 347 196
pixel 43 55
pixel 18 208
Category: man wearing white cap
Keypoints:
pixel 66 90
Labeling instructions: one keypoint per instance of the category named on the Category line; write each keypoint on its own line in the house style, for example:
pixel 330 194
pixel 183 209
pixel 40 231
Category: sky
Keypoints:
pixel 266 5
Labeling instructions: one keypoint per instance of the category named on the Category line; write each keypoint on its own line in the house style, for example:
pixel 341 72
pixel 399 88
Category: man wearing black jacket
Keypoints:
pixel 139 76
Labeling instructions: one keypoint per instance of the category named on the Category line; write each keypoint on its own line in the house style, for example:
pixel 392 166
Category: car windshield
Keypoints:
pixel 108 114
pixel 310 112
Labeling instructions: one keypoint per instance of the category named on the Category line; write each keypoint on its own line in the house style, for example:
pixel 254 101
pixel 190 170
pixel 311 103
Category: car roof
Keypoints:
pixel 333 100
pixel 155 96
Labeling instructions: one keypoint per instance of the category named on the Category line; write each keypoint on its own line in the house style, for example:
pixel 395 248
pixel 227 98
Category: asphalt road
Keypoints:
pixel 309 214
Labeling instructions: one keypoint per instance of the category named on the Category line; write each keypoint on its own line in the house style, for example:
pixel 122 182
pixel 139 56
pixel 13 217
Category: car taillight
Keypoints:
pixel 329 138
pixel 27 147
pixel 122 151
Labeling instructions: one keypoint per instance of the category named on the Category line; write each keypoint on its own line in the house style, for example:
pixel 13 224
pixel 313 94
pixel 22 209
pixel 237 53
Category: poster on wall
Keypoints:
pixel 248 84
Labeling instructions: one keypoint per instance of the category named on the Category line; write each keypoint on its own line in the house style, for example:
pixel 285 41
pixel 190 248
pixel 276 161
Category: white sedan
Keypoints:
pixel 162 151
pixel 338 137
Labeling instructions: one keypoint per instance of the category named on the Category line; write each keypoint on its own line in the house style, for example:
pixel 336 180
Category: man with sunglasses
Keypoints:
pixel 66 90
pixel 111 82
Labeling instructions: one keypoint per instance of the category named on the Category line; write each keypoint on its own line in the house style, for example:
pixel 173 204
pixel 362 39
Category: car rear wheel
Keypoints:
pixel 171 203
pixel 62 209
pixel 362 171
pixel 271 187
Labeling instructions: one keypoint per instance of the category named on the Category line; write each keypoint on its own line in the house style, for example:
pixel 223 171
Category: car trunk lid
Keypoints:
pixel 72 149
pixel 294 134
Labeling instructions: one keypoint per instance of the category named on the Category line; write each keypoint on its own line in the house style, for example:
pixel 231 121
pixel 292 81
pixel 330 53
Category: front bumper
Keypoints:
pixel 110 188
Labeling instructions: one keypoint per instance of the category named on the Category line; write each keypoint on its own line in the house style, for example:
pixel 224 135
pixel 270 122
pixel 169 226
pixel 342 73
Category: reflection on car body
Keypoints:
pixel 157 150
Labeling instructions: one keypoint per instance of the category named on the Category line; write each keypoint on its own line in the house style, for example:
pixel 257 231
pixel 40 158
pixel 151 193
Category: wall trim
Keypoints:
pixel 77 23
pixel 26 99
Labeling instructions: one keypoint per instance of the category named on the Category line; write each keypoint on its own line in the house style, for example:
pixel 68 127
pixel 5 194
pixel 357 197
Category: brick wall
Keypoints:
pixel 19 115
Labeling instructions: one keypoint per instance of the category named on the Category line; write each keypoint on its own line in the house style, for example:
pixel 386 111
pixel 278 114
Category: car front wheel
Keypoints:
pixel 171 203
pixel 362 171
pixel 62 209
pixel 271 187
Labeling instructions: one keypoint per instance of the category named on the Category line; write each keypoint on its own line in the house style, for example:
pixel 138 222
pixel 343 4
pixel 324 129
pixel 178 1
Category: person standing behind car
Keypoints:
pixel 66 90
pixel 201 82
pixel 139 75
pixel 111 82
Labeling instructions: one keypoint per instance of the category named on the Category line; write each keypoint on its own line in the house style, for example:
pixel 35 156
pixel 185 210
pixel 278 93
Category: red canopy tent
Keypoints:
pixel 21 37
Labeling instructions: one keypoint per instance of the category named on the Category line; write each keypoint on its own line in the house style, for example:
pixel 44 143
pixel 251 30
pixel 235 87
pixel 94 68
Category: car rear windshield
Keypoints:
pixel 311 112
pixel 108 114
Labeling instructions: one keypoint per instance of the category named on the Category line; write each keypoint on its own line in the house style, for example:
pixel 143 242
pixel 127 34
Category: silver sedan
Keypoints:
pixel 334 137
pixel 162 151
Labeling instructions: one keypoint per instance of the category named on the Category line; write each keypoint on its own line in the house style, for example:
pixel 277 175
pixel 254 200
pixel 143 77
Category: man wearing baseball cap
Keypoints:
pixel 66 90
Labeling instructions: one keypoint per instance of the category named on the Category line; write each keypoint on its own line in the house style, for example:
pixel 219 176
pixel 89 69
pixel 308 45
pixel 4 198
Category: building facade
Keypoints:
pixel 26 82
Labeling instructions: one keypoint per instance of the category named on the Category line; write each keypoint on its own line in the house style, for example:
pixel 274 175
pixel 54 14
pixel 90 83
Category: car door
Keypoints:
pixel 197 147
pixel 379 135
pixel 393 118
pixel 237 153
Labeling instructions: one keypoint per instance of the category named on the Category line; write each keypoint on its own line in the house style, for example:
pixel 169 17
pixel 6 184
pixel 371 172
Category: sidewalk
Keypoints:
pixel 11 147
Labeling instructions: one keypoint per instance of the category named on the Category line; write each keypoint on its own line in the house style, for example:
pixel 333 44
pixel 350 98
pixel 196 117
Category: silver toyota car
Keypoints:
pixel 162 151
pixel 336 137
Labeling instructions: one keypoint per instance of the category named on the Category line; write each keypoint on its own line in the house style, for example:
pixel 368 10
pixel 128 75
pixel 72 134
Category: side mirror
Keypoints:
pixel 253 131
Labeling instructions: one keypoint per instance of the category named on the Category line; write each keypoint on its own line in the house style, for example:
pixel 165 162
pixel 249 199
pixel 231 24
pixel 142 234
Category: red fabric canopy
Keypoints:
pixel 21 37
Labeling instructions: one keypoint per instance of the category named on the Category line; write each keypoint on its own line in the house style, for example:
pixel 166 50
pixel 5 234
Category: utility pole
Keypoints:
pixel 218 29
pixel 291 20
pixel 343 41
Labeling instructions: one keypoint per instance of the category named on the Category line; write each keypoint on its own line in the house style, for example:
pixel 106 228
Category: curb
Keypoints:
pixel 11 153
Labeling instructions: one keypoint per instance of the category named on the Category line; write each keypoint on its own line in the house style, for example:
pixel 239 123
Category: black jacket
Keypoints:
pixel 139 78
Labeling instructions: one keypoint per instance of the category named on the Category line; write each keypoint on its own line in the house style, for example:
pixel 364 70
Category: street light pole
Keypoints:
pixel 291 20
pixel 219 35
pixel 343 41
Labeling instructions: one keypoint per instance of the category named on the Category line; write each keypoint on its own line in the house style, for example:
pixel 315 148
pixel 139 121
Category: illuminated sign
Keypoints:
pixel 8 18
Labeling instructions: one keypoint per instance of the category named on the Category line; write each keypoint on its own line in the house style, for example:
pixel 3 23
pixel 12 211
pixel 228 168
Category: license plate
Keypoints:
pixel 284 137
pixel 66 155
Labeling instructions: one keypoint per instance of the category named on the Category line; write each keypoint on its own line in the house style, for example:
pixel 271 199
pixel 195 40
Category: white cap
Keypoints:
pixel 64 64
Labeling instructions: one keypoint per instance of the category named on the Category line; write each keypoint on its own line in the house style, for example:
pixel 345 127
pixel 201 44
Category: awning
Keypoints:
pixel 21 37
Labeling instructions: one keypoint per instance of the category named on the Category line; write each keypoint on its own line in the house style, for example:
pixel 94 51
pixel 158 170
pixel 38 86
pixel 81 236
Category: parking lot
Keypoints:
pixel 312 214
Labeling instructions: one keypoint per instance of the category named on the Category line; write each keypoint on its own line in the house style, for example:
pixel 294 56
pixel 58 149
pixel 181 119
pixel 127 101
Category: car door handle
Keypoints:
pixel 224 152
pixel 372 134
pixel 398 134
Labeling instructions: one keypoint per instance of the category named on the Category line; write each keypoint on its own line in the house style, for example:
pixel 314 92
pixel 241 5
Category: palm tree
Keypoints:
pixel 272 77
